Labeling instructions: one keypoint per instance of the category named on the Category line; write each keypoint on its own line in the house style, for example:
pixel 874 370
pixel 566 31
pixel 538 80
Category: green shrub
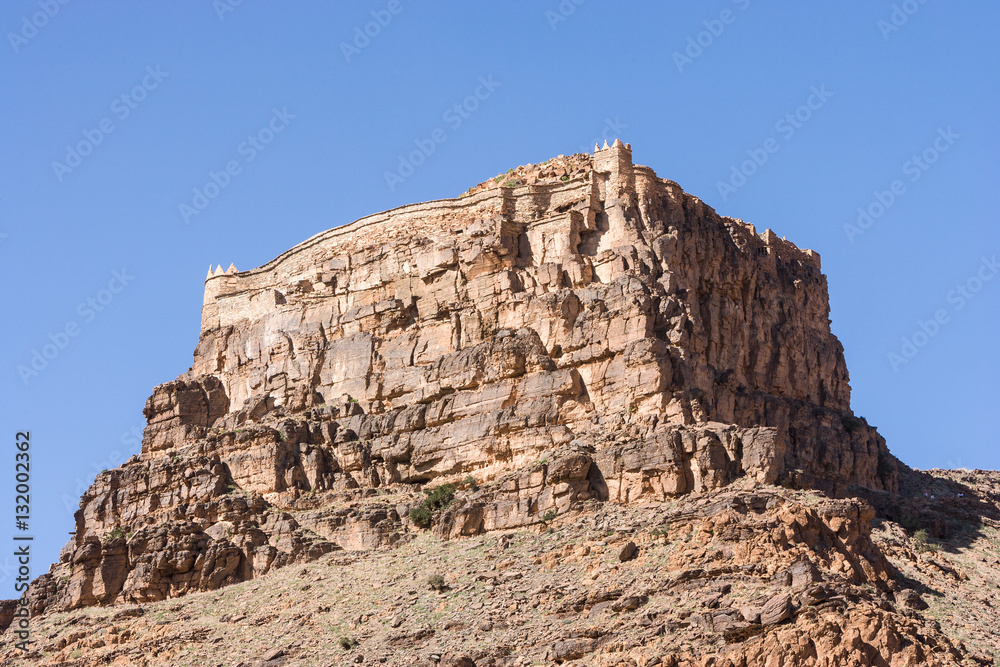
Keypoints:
pixel 921 539
pixel 549 516
pixel 116 533
pixel 439 497
pixel 564 178
pixel 470 482
pixel 851 425
pixel 436 582
pixel 347 643
pixel 421 516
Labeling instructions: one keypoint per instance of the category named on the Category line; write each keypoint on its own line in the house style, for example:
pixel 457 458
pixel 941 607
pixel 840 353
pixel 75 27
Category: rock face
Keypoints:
pixel 577 330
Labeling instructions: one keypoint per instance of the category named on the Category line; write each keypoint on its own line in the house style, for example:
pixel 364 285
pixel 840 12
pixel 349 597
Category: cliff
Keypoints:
pixel 566 335
pixel 582 308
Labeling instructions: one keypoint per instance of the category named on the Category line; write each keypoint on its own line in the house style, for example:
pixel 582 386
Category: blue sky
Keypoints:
pixel 114 114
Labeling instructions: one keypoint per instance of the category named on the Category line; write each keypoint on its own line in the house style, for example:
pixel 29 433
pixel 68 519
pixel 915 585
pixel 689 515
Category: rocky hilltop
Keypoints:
pixel 575 356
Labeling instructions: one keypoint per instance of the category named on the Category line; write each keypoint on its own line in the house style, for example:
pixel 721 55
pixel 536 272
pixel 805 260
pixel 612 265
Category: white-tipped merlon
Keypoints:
pixel 218 270
pixel 618 142
pixel 606 145
pixel 596 148
pixel 231 269
pixel 209 272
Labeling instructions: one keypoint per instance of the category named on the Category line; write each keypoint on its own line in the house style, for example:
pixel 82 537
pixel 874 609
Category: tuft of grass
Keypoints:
pixel 564 178
pixel 347 643
pixel 549 516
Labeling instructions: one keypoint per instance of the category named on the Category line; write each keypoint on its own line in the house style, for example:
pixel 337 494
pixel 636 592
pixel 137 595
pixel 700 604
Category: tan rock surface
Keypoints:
pixel 754 576
pixel 573 341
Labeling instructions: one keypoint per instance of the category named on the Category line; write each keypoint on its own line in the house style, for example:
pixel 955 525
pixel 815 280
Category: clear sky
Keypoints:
pixel 141 142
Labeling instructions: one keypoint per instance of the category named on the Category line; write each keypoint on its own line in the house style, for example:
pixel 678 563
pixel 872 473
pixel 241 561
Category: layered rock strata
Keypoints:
pixel 581 321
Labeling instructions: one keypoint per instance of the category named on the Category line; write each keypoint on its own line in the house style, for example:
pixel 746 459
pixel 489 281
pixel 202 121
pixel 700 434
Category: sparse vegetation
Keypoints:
pixel 437 498
pixel 436 582
pixel 347 643
pixel 421 516
pixel 922 540
pixel 470 483
pixel 549 516
pixel 116 533
pixel 851 425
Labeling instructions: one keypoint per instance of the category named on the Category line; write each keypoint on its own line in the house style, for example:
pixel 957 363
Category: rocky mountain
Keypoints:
pixel 614 425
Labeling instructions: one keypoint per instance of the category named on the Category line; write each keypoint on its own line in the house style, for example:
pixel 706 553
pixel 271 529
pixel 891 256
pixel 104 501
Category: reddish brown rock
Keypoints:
pixel 606 337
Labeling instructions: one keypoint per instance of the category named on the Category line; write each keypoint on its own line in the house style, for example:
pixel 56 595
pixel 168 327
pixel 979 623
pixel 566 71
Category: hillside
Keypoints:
pixel 612 425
